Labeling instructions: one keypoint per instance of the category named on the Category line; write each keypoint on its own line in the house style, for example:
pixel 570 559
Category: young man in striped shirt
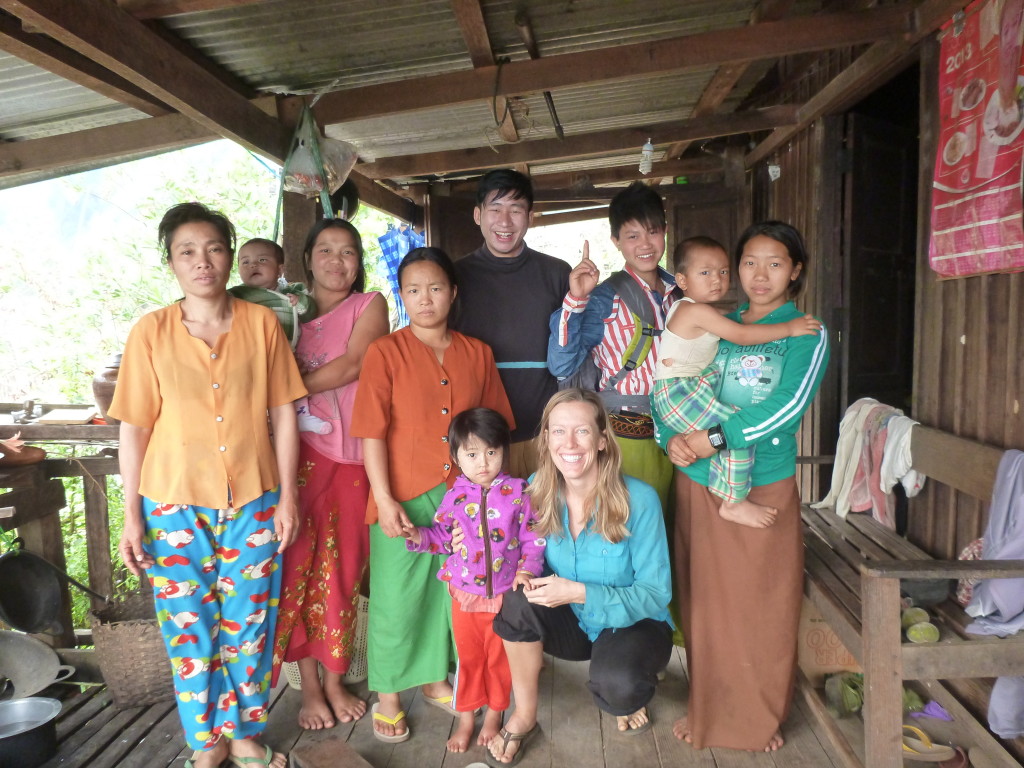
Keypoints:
pixel 600 325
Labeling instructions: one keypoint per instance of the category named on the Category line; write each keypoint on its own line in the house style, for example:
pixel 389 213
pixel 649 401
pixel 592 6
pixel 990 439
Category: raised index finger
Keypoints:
pixel 586 250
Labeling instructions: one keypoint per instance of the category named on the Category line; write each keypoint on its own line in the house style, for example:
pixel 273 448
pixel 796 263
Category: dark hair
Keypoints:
pixel 637 202
pixel 790 237
pixel 359 285
pixel 434 256
pixel 274 247
pixel 507 183
pixel 488 425
pixel 188 213
pixel 681 255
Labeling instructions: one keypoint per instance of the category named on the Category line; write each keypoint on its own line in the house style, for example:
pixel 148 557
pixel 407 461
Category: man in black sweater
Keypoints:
pixel 507 293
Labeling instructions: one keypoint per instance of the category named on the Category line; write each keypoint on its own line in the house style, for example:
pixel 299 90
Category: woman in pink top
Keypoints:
pixel 324 569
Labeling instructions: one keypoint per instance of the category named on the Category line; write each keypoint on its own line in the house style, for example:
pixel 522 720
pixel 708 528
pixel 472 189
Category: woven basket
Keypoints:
pixel 357 667
pixel 131 652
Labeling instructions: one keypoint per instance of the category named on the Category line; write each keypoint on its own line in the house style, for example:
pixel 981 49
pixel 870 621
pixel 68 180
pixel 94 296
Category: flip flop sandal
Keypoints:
pixel 398 738
pixel 444 703
pixel 636 731
pixel 190 764
pixel 920 747
pixel 960 760
pixel 245 762
pixel 507 737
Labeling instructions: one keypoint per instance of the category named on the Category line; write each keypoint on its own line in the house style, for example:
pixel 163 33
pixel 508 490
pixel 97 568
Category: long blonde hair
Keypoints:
pixel 608 503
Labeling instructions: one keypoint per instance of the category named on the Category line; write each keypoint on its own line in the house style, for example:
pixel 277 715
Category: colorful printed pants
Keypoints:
pixel 687 404
pixel 216 581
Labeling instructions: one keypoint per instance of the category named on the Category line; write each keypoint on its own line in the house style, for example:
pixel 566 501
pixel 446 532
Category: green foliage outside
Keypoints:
pixel 75 282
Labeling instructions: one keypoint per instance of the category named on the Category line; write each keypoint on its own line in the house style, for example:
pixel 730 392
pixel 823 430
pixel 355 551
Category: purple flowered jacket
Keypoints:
pixel 497 543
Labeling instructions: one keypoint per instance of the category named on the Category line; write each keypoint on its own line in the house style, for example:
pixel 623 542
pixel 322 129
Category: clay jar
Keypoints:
pixel 103 384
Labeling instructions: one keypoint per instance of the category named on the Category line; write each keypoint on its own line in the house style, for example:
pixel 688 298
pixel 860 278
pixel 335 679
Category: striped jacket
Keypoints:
pixel 602 326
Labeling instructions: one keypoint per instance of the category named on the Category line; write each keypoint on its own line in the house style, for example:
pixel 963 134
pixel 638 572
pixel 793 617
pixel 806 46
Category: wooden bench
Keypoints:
pixel 853 569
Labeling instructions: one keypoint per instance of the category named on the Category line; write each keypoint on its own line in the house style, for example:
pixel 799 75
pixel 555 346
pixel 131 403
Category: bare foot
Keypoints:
pixel 390 705
pixel 633 722
pixel 250 748
pixel 346 706
pixel 681 730
pixel 747 513
pixel 775 742
pixel 315 713
pixel 211 758
pixel 459 741
pixel 490 728
pixel 505 753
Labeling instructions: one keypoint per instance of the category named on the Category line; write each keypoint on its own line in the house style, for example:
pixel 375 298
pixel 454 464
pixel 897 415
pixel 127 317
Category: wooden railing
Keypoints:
pixel 36 496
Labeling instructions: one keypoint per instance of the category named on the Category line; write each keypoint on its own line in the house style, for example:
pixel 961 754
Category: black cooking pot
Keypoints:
pixel 30 591
pixel 28 732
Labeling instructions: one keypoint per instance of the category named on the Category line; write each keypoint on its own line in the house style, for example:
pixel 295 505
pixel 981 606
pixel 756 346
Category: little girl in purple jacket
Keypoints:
pixel 499 552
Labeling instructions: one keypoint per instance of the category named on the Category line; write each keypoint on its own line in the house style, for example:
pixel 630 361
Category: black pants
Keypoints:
pixel 624 663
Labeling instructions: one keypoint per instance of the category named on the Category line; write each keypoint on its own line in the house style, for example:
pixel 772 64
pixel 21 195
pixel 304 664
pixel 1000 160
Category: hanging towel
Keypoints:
pixel 897 460
pixel 848 452
pixel 860 476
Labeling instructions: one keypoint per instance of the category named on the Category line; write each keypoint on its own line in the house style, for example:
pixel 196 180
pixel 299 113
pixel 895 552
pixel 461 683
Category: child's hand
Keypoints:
pixel 522 579
pixel 412 533
pixel 807 325
pixel 584 277
pixel 292 299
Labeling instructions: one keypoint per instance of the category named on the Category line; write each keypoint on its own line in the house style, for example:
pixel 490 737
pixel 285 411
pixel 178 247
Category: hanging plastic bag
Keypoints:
pixel 315 163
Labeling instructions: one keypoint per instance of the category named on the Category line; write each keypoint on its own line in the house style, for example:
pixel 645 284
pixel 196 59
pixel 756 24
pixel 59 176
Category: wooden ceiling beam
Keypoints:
pixel 760 41
pixel 157 9
pixel 621 173
pixel 112 143
pixel 470 18
pixel 597 143
pixel 569 217
pixel 873 67
pixel 725 78
pixel 384 199
pixel 41 51
pixel 101 31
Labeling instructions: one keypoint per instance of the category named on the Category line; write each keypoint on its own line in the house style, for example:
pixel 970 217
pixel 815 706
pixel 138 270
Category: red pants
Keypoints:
pixel 483 677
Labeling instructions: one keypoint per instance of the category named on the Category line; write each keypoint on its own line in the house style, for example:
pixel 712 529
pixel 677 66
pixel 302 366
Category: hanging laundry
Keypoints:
pixel 394 245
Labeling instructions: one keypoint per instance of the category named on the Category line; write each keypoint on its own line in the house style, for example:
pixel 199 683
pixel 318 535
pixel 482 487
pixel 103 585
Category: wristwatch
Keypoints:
pixel 717 437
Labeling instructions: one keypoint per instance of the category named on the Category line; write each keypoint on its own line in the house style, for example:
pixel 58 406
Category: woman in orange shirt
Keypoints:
pixel 413 383
pixel 210 503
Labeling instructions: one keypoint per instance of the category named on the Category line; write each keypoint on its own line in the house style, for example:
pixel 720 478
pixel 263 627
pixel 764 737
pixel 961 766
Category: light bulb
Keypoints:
pixel 646 157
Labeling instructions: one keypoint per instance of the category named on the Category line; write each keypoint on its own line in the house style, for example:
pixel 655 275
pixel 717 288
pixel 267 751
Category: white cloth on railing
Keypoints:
pixel 862 480
pixel 897 459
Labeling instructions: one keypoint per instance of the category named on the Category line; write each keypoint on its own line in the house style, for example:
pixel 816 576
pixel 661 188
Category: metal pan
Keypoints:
pixel 28 665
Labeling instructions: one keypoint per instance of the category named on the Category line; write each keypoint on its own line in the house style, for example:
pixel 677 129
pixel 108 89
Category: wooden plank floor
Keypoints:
pixel 94 734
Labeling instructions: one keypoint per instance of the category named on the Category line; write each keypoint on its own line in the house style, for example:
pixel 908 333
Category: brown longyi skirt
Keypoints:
pixel 740 591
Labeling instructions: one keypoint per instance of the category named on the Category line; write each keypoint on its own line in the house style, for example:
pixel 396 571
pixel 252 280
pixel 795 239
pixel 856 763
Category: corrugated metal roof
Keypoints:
pixel 305 46
pixel 37 103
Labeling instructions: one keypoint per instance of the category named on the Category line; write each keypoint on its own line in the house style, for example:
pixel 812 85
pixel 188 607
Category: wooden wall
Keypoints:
pixel 968 365
pixel 807 195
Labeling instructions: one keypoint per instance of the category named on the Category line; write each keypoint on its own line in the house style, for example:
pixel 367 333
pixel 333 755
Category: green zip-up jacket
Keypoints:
pixel 772 384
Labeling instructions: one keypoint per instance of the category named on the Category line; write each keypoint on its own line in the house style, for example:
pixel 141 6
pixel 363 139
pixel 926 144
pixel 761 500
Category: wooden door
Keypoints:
pixel 880 242
pixel 712 210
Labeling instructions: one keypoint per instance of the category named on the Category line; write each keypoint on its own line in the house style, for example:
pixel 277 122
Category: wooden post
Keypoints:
pixel 43 537
pixel 97 535
pixel 883 672
pixel 299 213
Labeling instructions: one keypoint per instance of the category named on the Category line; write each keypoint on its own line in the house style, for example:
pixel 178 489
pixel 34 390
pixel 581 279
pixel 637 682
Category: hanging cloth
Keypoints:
pixel 394 245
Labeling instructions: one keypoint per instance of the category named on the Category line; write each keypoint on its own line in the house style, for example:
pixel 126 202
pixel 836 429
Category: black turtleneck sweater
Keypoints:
pixel 507 302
